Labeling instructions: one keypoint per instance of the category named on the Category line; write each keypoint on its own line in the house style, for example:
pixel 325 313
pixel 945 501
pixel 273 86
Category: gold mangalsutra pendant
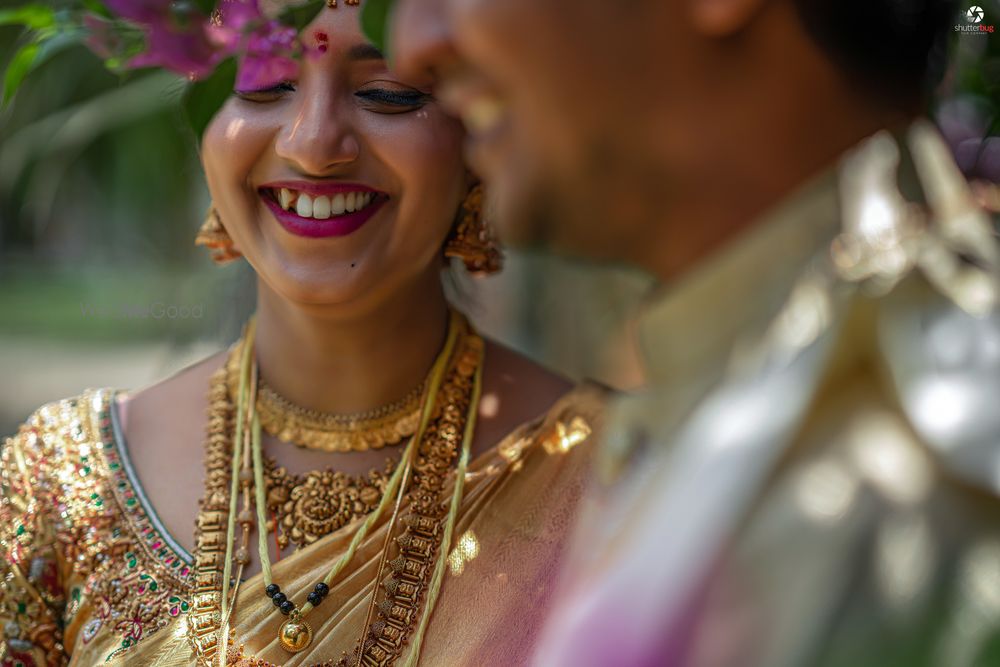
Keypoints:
pixel 295 634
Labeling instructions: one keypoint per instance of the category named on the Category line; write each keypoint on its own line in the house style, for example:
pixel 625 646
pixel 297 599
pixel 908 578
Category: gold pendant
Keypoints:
pixel 295 634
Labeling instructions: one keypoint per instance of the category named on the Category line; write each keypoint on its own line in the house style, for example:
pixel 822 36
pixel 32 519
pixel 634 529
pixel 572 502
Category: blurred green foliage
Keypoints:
pixel 101 190
pixel 101 193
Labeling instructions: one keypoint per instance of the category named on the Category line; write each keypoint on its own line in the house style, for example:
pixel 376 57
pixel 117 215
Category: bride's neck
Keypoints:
pixel 322 360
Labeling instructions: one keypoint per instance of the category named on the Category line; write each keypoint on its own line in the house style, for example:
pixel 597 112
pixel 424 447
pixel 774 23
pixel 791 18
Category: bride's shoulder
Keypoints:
pixel 174 405
pixel 519 393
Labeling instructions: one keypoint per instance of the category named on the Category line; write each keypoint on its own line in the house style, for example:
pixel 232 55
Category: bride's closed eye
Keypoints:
pixel 268 94
pixel 379 97
pixel 391 98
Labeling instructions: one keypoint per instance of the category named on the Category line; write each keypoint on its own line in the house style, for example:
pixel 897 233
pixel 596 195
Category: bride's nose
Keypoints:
pixel 320 137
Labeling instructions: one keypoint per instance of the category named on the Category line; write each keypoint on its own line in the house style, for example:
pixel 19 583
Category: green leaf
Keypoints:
pixel 35 17
pixel 300 15
pixel 98 8
pixel 203 99
pixel 205 6
pixel 56 42
pixel 375 22
pixel 18 68
pixel 33 55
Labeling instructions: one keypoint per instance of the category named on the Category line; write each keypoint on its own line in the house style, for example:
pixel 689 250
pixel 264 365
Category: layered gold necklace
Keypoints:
pixel 236 469
pixel 305 507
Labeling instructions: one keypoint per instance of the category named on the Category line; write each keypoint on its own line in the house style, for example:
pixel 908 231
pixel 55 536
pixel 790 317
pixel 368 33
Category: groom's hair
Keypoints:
pixel 896 49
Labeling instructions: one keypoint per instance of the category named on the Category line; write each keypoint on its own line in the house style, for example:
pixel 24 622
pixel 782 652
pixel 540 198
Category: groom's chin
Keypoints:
pixel 556 225
pixel 526 221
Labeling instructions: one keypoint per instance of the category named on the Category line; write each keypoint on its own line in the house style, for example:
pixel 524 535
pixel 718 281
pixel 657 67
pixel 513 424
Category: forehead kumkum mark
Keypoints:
pixel 322 39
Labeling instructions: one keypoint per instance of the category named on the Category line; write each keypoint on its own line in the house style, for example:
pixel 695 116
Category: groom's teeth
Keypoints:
pixel 337 205
pixel 321 207
pixel 304 205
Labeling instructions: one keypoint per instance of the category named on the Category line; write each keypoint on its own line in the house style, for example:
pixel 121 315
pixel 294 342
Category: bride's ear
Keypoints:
pixel 722 18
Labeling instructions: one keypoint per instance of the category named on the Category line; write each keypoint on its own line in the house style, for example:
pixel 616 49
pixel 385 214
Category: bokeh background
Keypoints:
pixel 101 194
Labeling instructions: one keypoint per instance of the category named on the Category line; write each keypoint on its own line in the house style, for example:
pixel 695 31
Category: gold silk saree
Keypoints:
pixel 91 577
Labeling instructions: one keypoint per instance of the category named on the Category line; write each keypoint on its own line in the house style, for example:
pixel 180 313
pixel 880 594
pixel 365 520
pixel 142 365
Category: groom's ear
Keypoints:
pixel 722 18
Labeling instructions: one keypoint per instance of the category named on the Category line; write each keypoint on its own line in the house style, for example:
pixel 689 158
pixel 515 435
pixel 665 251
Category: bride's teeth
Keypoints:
pixel 321 208
pixel 337 205
pixel 304 206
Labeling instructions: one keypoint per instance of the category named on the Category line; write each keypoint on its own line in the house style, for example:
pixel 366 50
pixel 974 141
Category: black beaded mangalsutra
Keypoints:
pixel 286 606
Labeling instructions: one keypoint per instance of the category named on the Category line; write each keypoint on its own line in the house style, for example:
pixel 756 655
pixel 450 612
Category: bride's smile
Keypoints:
pixel 321 209
pixel 339 184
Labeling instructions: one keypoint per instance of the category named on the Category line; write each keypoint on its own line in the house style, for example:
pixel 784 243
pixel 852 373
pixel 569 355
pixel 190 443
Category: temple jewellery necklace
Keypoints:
pixel 308 506
pixel 296 634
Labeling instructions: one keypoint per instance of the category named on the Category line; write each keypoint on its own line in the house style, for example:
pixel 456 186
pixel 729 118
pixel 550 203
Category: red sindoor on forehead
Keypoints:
pixel 322 39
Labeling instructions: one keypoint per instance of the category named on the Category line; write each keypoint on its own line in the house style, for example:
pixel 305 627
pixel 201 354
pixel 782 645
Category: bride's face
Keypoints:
pixel 340 186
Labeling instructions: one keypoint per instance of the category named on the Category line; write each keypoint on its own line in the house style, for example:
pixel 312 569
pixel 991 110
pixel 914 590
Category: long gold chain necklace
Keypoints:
pixel 422 546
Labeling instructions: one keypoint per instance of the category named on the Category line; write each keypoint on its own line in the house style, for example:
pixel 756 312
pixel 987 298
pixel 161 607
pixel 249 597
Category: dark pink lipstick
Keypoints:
pixel 336 225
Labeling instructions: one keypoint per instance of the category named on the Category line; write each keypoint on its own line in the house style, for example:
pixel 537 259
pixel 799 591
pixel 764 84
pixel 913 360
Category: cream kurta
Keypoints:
pixel 812 480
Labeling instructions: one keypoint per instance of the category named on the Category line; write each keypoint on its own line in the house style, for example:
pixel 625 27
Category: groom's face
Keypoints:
pixel 558 97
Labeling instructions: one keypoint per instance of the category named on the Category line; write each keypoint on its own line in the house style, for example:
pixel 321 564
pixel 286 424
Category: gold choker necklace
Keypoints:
pixel 327 432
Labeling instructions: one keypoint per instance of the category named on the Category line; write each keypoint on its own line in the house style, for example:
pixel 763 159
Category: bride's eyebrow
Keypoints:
pixel 364 52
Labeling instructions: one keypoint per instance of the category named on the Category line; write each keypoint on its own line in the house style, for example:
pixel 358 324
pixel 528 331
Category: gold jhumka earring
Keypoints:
pixel 472 240
pixel 214 236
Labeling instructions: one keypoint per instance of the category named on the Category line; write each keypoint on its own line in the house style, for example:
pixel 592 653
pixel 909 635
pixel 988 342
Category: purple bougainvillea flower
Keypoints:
pixel 181 39
pixel 965 121
pixel 189 53
pixel 268 57
pixel 235 17
pixel 140 11
pixel 266 48
pixel 176 36
pixel 258 72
